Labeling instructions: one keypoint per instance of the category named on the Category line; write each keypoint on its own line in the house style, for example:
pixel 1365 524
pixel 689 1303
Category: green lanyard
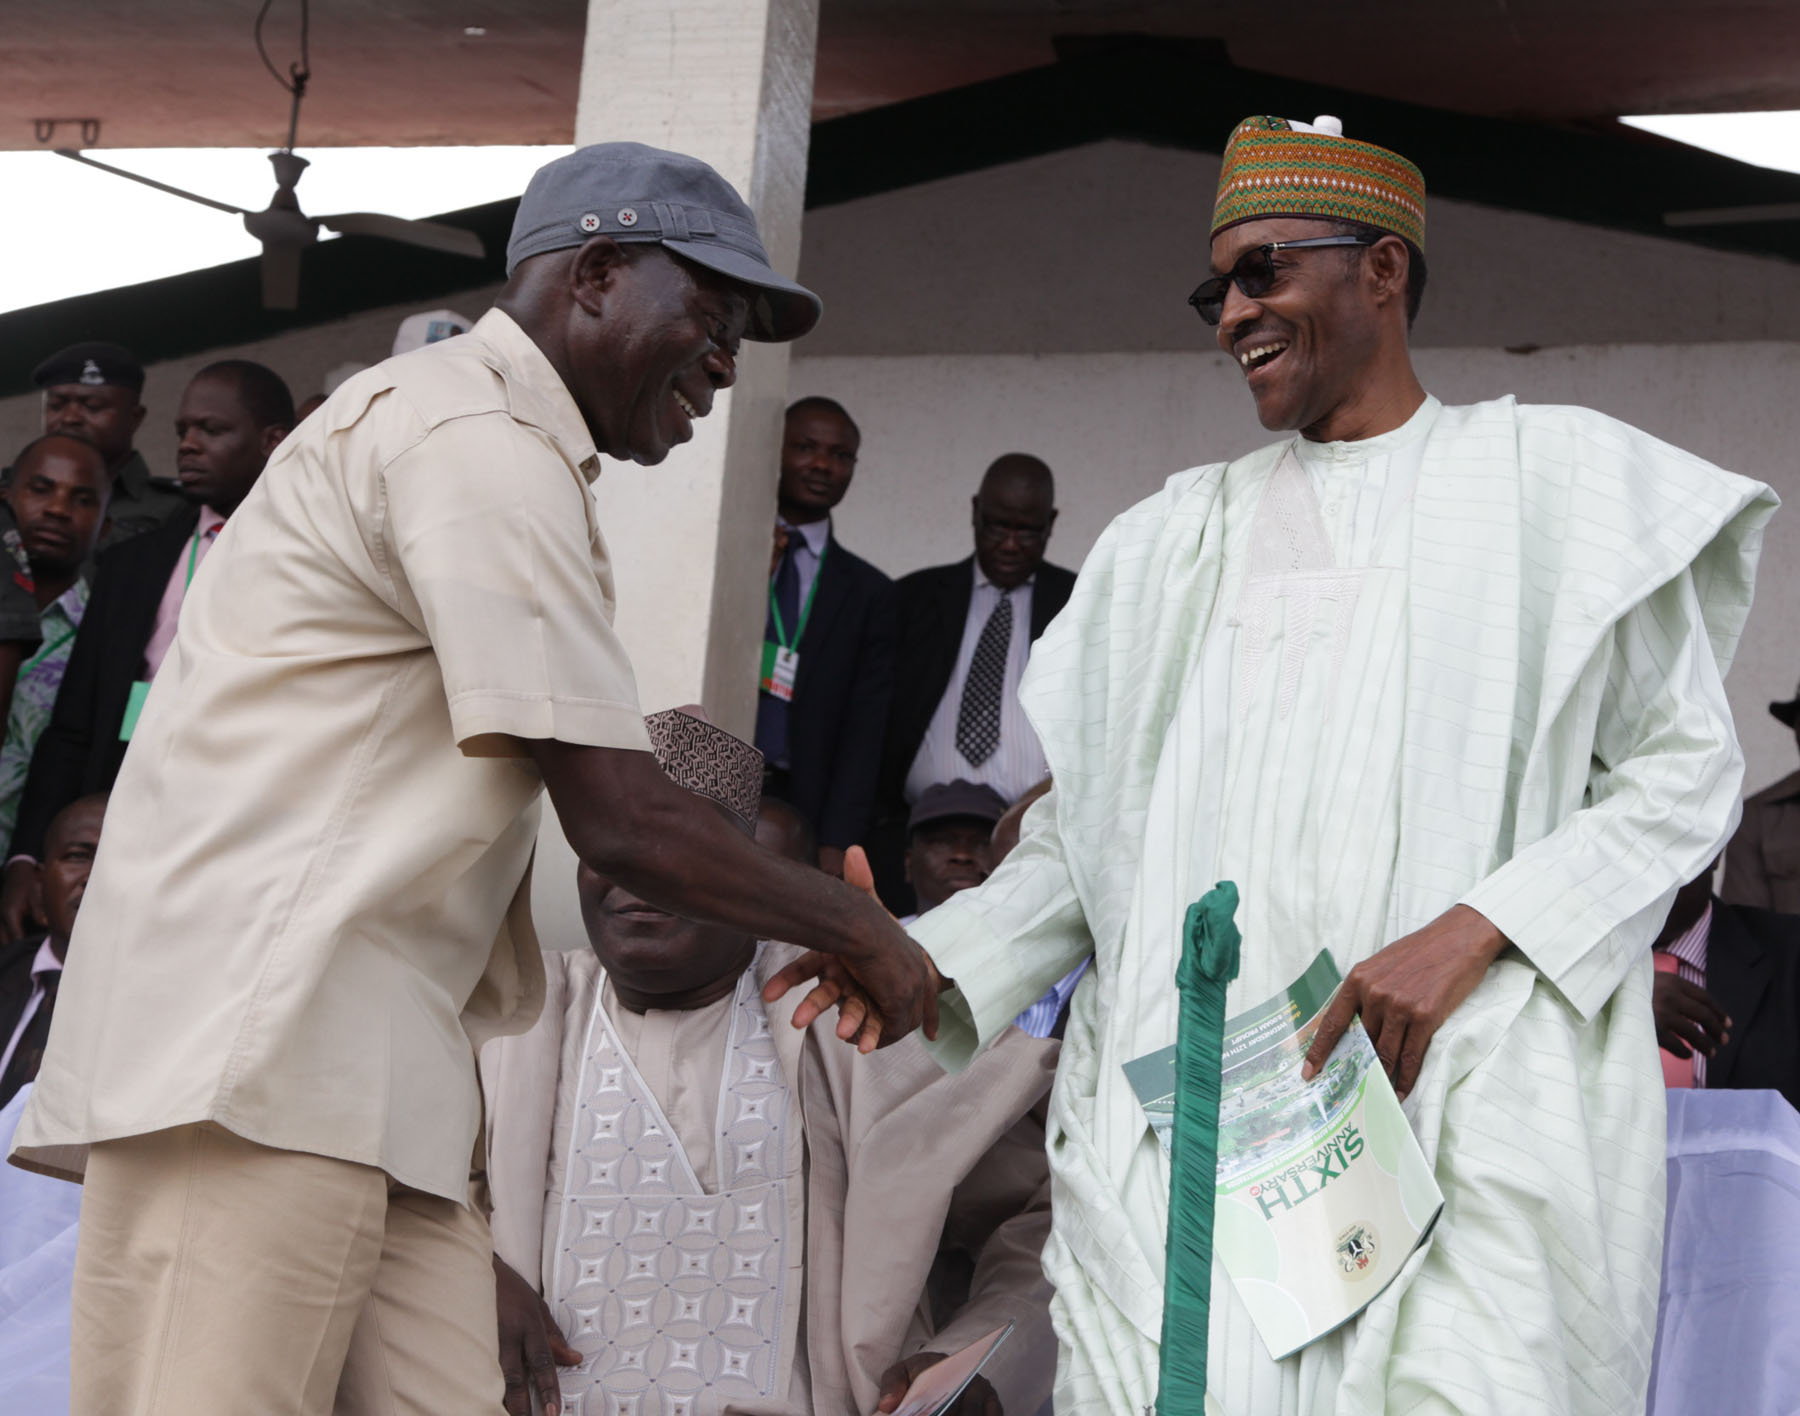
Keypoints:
pixel 781 635
pixel 46 652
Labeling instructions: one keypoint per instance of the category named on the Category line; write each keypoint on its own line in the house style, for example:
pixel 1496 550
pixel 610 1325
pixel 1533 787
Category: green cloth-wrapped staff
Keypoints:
pixel 1209 961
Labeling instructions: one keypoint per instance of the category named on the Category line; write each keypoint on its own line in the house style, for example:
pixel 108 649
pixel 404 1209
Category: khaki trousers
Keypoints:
pixel 214 1276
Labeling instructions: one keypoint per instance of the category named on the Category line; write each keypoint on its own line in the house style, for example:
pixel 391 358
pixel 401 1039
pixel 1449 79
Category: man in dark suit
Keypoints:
pixel 1762 864
pixel 966 631
pixel 232 416
pixel 1727 995
pixel 828 651
pixel 31 968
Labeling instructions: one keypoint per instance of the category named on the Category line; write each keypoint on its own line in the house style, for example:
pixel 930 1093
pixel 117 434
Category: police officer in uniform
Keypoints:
pixel 93 390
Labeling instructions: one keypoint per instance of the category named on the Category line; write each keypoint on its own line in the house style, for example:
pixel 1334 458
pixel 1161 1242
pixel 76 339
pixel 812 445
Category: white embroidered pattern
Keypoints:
pixel 673 1295
pixel 1291 561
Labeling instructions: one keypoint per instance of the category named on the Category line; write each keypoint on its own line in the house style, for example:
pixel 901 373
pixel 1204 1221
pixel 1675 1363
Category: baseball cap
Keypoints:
pixel 960 798
pixel 416 331
pixel 95 363
pixel 635 193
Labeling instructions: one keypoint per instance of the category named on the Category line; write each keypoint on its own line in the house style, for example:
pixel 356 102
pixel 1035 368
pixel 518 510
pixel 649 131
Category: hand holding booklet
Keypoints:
pixel 935 1390
pixel 1323 1192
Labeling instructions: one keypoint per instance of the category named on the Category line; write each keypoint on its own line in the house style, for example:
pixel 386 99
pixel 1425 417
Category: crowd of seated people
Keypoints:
pixel 685 1192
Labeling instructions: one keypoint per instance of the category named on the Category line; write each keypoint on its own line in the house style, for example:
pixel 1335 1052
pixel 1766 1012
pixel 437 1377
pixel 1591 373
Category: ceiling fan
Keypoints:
pixel 282 228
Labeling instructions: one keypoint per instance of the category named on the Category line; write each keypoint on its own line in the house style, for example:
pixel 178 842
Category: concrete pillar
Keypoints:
pixel 729 81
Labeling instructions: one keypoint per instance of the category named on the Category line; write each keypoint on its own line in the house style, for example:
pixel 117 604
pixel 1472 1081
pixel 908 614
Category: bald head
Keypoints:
pixel 1021 471
pixel 1013 514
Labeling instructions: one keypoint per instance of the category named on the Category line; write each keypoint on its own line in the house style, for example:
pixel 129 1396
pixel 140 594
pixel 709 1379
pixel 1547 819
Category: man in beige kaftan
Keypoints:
pixel 726 1214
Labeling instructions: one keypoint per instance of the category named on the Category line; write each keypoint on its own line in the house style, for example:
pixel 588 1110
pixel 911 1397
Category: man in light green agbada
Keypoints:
pixel 1439 688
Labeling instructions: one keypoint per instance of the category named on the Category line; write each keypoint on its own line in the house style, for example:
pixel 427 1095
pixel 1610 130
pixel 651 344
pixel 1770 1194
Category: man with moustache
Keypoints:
pixel 1438 688
pixel 232 416
pixel 315 902
pixel 828 645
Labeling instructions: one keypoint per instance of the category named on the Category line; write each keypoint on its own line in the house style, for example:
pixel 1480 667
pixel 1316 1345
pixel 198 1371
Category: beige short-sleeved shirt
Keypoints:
pixel 312 890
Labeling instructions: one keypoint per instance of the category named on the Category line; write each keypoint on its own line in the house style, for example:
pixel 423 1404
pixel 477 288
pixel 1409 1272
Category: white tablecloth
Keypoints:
pixel 37 1260
pixel 1728 1325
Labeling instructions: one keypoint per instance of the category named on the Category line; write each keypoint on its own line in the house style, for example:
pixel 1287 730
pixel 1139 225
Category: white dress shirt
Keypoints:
pixel 813 538
pixel 1018 763
pixel 42 966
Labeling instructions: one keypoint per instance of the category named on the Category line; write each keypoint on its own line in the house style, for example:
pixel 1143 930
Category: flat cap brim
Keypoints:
pixel 780 309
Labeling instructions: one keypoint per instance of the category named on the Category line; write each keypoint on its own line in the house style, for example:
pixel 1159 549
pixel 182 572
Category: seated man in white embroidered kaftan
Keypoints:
pixel 1439 689
pixel 726 1214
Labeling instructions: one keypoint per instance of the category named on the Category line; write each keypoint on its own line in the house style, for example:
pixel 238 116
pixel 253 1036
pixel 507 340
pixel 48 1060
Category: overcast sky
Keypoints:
pixel 71 229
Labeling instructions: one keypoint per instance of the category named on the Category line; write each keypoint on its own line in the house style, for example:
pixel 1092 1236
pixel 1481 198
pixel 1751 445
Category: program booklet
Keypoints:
pixel 935 1390
pixel 1323 1192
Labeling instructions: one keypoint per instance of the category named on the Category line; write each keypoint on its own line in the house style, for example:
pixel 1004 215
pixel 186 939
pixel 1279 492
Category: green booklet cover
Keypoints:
pixel 1323 1192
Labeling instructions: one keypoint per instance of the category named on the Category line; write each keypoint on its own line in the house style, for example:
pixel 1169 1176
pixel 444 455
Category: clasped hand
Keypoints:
pixel 853 982
pixel 1406 991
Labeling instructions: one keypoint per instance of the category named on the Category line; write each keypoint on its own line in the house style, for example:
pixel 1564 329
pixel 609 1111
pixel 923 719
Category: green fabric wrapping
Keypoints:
pixel 1209 960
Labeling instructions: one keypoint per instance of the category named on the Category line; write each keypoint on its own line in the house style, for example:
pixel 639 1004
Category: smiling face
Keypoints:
pixel 1305 346
pixel 221 450
pixel 104 414
pixel 58 496
pixel 649 341
pixel 818 458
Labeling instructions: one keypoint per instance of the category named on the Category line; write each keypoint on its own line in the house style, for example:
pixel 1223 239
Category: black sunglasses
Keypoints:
pixel 1254 272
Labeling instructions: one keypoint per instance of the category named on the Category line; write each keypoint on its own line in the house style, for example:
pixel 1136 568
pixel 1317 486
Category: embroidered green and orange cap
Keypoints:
pixel 1279 167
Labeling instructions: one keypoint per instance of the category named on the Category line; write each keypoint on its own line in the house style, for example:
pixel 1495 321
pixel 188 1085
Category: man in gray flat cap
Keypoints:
pixel 314 903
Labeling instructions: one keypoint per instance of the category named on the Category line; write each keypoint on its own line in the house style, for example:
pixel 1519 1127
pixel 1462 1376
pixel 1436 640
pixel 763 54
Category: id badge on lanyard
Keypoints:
pixel 781 655
pixel 780 667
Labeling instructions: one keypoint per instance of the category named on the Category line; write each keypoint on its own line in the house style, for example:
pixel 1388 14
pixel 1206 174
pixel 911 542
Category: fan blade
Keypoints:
pixel 82 158
pixel 1732 216
pixel 281 277
pixel 430 234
